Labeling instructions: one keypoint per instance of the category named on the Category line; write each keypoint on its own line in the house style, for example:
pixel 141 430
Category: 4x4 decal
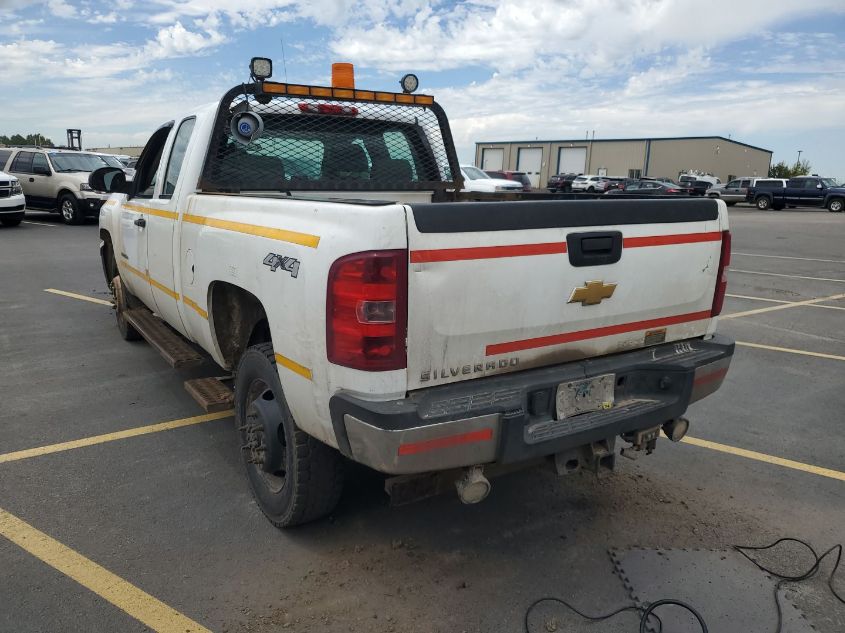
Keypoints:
pixel 288 264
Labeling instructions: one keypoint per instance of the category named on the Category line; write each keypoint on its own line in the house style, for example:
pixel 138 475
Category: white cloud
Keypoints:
pixel 103 18
pixel 61 9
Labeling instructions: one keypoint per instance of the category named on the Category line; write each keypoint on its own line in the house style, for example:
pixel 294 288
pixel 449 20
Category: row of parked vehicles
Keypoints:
pixel 53 180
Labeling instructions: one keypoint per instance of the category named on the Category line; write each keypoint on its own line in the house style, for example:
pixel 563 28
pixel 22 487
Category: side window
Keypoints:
pixel 146 172
pixel 795 182
pixel 177 157
pixel 745 183
pixel 4 156
pixel 22 163
pixel 733 184
pixel 39 164
pixel 810 183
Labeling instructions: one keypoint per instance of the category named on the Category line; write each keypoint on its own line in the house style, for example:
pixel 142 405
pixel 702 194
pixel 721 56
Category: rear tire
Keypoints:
pixel 123 301
pixel 763 203
pixel 835 205
pixel 69 209
pixel 294 477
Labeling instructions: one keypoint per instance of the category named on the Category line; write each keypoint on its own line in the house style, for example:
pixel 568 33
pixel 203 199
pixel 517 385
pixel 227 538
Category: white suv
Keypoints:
pixel 587 183
pixel 12 203
pixel 57 180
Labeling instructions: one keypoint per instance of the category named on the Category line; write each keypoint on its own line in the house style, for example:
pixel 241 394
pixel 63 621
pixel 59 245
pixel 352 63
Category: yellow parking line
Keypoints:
pixel 757 298
pixel 73 295
pixel 803 259
pixel 124 595
pixel 755 272
pixel 111 437
pixel 791 304
pixel 789 350
pixel 763 457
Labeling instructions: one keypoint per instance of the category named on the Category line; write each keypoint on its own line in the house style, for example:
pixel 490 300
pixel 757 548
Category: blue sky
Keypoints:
pixel 767 73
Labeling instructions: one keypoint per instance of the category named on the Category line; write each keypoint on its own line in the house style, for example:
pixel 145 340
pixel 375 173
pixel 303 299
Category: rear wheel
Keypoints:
pixel 123 301
pixel 835 205
pixel 294 477
pixel 69 208
pixel 763 203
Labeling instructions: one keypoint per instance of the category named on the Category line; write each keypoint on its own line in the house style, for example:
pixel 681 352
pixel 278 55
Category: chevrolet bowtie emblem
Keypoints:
pixel 592 293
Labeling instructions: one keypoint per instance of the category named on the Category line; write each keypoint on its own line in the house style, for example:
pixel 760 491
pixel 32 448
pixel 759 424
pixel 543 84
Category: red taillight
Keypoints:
pixel 328 108
pixel 367 310
pixel 673 191
pixel 722 279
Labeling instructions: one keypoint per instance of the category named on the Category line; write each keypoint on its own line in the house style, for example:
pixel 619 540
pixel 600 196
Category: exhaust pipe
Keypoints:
pixel 676 429
pixel 473 486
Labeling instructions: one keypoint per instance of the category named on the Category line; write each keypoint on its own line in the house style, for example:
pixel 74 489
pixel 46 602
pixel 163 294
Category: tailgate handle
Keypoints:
pixel 595 248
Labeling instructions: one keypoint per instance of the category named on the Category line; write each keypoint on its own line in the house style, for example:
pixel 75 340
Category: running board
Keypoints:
pixel 173 348
pixel 212 394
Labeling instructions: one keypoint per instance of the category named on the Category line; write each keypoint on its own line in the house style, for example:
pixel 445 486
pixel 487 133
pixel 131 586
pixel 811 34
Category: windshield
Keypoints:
pixel 581 178
pixel 830 182
pixel 82 162
pixel 474 173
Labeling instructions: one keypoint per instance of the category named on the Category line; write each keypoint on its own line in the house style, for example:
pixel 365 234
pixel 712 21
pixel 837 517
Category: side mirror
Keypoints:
pixel 109 180
pixel 820 186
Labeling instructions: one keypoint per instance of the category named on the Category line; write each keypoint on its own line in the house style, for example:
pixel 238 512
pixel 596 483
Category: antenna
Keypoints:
pixel 284 61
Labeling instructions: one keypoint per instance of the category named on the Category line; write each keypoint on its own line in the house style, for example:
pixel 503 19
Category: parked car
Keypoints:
pixel 476 180
pixel 736 190
pixel 650 188
pixel 518 176
pixel 805 191
pixel 690 178
pixel 57 180
pixel 561 182
pixel 586 183
pixel 12 202
pixel 699 187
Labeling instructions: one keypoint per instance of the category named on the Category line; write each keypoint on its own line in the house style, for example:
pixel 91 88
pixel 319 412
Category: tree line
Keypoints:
pixel 783 170
pixel 29 139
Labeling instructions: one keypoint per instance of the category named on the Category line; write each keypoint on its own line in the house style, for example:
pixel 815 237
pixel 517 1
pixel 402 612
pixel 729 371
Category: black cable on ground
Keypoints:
pixel 783 579
pixel 645 612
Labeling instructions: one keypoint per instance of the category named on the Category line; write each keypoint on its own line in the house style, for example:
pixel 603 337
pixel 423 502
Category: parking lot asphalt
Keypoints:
pixel 158 531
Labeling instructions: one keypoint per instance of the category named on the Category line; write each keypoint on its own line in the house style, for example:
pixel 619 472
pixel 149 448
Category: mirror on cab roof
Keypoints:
pixel 109 180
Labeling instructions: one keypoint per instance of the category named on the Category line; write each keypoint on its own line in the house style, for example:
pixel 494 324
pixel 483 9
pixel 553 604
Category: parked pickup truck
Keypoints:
pixel 805 191
pixel 313 241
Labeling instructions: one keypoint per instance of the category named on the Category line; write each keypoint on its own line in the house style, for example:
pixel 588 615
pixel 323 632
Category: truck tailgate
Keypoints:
pixel 503 286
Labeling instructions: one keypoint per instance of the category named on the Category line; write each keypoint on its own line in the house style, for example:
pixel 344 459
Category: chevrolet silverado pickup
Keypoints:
pixel 314 241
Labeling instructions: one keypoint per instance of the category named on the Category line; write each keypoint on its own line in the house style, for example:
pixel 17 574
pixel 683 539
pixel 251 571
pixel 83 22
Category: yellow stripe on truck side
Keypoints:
pixel 283 235
pixel 294 366
pixel 160 213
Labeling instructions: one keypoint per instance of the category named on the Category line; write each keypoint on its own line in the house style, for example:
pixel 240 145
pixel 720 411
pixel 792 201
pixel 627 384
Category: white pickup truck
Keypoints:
pixel 313 241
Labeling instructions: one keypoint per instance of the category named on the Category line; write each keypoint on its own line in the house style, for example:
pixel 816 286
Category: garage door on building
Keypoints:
pixel 530 161
pixel 492 159
pixel 571 160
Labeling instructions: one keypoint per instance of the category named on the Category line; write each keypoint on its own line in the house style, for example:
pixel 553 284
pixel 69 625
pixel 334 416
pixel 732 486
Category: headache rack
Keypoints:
pixel 312 138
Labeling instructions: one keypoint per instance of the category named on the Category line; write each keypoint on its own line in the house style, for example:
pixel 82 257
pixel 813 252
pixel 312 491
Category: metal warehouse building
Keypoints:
pixel 632 157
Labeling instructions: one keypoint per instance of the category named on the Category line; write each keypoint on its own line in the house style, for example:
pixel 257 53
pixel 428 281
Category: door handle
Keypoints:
pixel 140 222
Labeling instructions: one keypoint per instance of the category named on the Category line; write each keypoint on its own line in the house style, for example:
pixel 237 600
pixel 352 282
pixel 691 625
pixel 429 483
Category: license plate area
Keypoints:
pixel 584 396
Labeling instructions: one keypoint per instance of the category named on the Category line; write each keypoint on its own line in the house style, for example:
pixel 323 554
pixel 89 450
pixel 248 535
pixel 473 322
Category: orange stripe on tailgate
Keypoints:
pixel 582 335
pixel 486 252
pixel 664 240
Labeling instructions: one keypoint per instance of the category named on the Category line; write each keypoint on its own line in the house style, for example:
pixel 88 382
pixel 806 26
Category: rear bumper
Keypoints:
pixel 511 418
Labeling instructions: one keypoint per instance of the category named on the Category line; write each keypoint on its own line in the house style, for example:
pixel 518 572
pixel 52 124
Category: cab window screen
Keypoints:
pixel 313 144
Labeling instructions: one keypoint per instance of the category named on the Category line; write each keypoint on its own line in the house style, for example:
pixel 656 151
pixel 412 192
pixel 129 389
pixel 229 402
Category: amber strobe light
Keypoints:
pixel 343 75
pixel 367 310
